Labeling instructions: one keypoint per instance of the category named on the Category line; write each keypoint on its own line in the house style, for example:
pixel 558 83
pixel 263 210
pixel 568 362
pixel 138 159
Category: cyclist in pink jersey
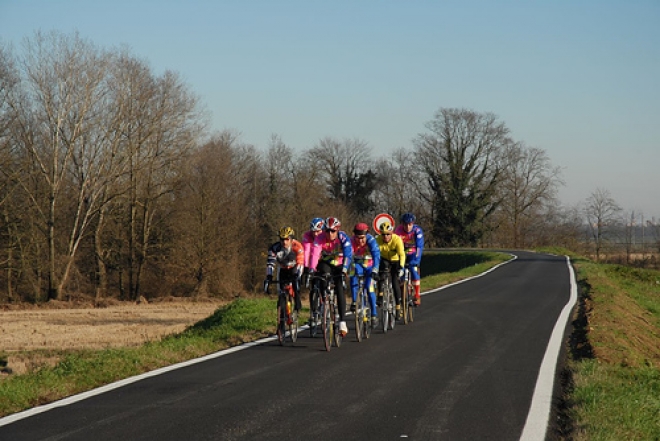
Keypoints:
pixel 315 228
pixel 331 254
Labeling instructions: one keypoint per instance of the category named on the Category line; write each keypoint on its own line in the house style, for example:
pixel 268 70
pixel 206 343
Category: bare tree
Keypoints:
pixel 528 188
pixel 167 129
pixel 64 76
pixel 402 187
pixel 346 169
pixel 601 211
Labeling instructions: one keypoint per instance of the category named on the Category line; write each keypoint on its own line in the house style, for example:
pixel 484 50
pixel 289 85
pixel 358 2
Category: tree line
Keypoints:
pixel 111 185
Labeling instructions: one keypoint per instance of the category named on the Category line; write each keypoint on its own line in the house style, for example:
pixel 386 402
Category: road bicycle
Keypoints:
pixel 362 311
pixel 315 313
pixel 328 311
pixel 408 297
pixel 287 317
pixel 387 307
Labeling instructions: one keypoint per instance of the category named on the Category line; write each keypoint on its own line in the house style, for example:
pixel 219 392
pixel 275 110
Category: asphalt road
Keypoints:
pixel 466 369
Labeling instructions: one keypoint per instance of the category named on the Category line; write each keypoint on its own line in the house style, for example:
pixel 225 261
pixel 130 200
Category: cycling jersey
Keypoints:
pixel 392 250
pixel 413 243
pixel 285 257
pixel 307 242
pixel 367 255
pixel 337 252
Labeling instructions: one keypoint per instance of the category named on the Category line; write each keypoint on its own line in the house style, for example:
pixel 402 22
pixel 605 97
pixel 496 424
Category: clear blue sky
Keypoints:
pixel 579 79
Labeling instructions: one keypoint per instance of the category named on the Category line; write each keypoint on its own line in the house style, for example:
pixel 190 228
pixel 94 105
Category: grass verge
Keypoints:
pixel 240 321
pixel 612 376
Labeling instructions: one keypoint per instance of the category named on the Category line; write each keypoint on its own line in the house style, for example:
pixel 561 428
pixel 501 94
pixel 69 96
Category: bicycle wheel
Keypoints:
pixel 405 293
pixel 391 308
pixel 334 314
pixel 411 302
pixel 359 311
pixel 326 324
pixel 315 313
pixel 281 319
pixel 366 317
pixel 293 323
pixel 384 311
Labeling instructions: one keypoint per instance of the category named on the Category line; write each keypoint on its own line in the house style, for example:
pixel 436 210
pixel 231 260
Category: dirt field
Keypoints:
pixel 113 326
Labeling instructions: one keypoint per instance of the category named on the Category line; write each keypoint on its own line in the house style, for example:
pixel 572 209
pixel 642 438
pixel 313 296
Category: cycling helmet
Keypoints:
pixel 407 218
pixel 316 224
pixel 361 229
pixel 286 232
pixel 332 223
pixel 386 228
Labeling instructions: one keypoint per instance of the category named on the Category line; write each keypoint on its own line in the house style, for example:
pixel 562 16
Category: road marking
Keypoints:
pixel 539 411
pixel 117 384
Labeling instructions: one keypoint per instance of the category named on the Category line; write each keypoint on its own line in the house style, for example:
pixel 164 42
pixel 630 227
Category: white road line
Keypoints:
pixel 539 411
pixel 117 384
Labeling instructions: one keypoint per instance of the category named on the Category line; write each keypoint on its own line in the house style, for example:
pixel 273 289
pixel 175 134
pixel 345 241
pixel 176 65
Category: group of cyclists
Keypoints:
pixel 326 249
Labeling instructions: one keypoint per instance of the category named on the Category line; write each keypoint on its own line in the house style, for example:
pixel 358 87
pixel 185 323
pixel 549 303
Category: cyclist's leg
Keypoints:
pixel 382 276
pixel 396 286
pixel 372 295
pixel 415 277
pixel 289 275
pixel 339 291
pixel 357 271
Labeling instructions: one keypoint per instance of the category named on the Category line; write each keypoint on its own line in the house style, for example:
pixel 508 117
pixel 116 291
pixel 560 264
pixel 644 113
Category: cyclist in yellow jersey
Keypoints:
pixel 392 260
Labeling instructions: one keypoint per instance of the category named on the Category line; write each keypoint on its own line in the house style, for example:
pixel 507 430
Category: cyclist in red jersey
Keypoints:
pixel 413 242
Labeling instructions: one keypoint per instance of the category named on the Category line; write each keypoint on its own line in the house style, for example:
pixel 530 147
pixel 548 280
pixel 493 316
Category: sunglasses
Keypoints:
pixel 360 237
pixel 331 231
pixel 387 234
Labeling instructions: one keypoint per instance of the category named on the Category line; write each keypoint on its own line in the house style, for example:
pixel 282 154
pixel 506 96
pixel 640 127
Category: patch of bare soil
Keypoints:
pixel 57 327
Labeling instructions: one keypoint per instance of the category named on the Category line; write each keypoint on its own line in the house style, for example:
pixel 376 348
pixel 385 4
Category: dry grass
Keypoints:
pixel 27 336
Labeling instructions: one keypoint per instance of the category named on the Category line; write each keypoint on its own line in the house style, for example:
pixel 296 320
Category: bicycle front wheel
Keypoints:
pixel 411 303
pixel 366 318
pixel 315 313
pixel 391 310
pixel 359 313
pixel 334 315
pixel 281 320
pixel 384 311
pixel 405 306
pixel 293 325
pixel 326 325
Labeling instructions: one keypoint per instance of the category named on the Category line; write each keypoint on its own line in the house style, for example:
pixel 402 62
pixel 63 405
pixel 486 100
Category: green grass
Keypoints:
pixel 615 403
pixel 240 321
pixel 614 387
pixel 442 268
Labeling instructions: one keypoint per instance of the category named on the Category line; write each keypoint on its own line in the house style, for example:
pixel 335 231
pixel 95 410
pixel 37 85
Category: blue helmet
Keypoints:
pixel 407 218
pixel 317 224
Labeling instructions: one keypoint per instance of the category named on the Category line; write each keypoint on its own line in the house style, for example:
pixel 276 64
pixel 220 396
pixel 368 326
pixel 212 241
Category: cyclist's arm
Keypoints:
pixel 374 249
pixel 419 247
pixel 400 251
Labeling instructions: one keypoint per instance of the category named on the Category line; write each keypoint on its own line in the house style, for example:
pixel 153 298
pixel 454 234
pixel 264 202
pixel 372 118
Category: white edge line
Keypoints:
pixel 117 384
pixel 538 417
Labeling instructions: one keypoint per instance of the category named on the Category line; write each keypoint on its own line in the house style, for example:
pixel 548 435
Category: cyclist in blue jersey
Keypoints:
pixel 413 243
pixel 366 259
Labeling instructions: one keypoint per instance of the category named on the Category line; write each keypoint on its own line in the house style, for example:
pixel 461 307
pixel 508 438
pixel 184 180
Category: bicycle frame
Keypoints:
pixel 387 308
pixel 362 311
pixel 408 294
pixel 286 315
pixel 329 312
